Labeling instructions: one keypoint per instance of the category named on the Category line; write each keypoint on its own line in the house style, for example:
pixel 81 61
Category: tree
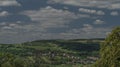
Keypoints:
pixel 6 59
pixel 110 50
pixel 10 60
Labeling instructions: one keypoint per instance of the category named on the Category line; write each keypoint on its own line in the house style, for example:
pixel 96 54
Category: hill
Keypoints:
pixel 53 53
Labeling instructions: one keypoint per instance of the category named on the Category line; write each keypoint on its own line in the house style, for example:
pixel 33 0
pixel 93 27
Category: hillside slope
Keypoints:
pixel 53 52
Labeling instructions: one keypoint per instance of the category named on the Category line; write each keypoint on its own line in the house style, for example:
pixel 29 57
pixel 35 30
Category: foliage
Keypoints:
pixel 110 50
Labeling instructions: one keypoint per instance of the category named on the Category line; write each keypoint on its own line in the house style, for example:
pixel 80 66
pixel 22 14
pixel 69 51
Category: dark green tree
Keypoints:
pixel 110 50
pixel 6 59
pixel 10 60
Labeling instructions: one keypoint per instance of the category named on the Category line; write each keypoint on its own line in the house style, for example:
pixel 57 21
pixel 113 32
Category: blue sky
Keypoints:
pixel 28 20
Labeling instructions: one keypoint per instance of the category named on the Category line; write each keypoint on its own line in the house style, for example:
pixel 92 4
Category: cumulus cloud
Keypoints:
pixel 3 23
pixel 51 23
pixel 114 13
pixel 111 4
pixel 98 22
pixel 6 27
pixel 12 25
pixel 115 6
pixel 87 31
pixel 4 13
pixel 50 17
pixel 9 3
pixel 90 11
pixel 42 20
pixel 87 27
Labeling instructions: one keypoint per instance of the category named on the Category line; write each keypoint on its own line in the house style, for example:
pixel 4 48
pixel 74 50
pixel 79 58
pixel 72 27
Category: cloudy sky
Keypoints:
pixel 28 20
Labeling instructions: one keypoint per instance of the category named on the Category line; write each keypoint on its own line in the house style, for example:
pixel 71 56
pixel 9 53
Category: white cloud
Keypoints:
pixel 19 22
pixel 4 13
pixel 87 31
pixel 16 33
pixel 111 4
pixel 98 22
pixel 114 13
pixel 49 17
pixel 42 20
pixel 87 27
pixel 66 8
pixel 90 11
pixel 12 25
pixel 9 3
pixel 6 27
pixel 114 6
pixel 3 23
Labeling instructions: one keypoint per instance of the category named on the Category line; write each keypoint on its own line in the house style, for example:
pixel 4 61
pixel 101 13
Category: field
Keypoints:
pixel 54 53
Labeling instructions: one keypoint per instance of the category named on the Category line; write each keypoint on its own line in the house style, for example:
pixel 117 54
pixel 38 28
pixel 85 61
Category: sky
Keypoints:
pixel 28 20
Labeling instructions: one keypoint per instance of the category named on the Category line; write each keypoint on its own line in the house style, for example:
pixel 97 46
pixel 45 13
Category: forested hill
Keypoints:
pixel 51 53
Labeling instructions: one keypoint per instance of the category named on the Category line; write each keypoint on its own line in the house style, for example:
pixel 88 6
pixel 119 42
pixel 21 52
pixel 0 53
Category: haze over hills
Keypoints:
pixel 81 40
